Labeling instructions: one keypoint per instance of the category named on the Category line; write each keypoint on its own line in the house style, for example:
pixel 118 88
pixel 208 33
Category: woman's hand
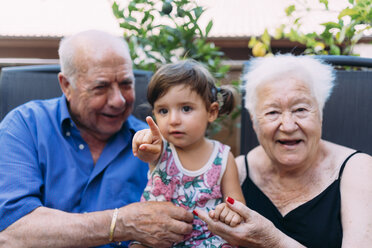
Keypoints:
pixel 254 231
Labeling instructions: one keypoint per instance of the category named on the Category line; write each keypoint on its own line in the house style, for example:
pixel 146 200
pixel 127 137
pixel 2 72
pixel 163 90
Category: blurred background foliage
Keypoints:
pixel 338 37
pixel 165 31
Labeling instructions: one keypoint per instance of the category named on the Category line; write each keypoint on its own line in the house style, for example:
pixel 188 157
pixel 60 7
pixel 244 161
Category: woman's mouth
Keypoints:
pixel 289 142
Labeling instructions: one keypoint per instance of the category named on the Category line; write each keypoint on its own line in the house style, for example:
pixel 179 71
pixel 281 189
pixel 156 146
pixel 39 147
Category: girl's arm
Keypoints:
pixel 230 185
pixel 230 188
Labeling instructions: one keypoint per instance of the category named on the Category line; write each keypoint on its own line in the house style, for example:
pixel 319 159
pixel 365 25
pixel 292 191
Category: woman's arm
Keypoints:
pixel 356 202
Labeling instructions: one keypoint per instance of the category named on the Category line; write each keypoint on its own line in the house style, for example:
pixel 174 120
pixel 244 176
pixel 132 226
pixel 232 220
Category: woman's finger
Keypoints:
pixel 239 208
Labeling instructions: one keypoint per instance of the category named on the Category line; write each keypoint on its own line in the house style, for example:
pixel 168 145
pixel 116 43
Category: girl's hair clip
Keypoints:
pixel 219 98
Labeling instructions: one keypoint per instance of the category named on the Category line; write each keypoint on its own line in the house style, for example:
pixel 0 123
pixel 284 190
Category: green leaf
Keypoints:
pixel 252 42
pixel 208 28
pixel 266 38
pixel 330 25
pixel 117 13
pixel 325 2
pixel 347 12
pixel 198 12
pixel 126 25
pixel 289 10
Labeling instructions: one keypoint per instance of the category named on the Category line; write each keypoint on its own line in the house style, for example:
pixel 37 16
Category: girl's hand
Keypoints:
pixel 223 213
pixel 147 143
pixel 254 231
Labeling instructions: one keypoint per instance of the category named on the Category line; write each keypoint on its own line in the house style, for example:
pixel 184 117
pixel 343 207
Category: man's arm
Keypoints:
pixel 46 227
pixel 158 224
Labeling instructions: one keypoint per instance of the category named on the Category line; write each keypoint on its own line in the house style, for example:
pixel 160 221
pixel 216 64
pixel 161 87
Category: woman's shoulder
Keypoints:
pixel 344 155
pixel 342 152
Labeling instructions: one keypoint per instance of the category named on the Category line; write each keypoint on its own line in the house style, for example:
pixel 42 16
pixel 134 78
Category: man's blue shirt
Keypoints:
pixel 45 162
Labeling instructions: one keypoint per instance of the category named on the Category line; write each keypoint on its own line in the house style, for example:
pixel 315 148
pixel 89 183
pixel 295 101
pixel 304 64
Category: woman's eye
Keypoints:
pixel 272 113
pixel 300 110
pixel 186 109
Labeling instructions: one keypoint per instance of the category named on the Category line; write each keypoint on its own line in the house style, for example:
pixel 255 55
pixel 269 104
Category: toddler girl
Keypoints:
pixel 186 168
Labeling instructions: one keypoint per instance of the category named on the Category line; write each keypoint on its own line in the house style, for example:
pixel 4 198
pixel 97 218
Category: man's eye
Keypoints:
pixel 186 109
pixel 100 87
pixel 127 84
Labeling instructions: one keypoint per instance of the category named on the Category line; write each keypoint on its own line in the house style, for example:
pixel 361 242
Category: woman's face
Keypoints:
pixel 287 123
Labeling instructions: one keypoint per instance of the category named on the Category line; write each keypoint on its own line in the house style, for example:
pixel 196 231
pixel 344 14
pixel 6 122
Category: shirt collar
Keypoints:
pixel 65 120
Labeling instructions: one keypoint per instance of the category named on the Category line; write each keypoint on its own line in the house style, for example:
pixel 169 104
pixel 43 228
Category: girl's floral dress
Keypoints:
pixel 200 189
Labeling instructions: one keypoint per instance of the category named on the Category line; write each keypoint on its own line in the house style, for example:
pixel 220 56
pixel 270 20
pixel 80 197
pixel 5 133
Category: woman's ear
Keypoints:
pixel 253 120
pixel 213 112
pixel 65 85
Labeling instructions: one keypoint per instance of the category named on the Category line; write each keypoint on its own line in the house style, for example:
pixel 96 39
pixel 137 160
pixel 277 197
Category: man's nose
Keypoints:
pixel 116 98
pixel 288 123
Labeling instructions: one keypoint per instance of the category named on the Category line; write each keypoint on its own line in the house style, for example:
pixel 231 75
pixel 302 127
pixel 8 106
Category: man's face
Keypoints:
pixel 103 96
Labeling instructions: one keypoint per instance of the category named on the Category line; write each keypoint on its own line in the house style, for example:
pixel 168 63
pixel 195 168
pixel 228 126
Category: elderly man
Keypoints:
pixel 68 177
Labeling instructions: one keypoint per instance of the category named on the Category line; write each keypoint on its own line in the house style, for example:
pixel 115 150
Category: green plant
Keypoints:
pixel 164 31
pixel 337 38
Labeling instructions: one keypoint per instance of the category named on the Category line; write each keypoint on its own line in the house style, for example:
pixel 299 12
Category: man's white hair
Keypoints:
pixel 318 75
pixel 91 44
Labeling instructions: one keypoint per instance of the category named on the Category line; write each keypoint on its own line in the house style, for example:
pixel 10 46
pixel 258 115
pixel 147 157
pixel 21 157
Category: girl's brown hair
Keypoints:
pixel 197 77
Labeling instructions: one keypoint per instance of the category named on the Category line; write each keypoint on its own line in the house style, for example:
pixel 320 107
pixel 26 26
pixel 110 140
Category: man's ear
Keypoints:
pixel 213 112
pixel 65 85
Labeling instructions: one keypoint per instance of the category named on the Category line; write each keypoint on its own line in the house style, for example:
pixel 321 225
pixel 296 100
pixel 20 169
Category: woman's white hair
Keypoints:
pixel 318 75
pixel 85 44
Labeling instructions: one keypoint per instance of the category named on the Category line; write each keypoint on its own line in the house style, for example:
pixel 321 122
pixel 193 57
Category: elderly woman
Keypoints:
pixel 300 190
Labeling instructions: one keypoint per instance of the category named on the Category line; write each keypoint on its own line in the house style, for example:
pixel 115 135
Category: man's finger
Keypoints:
pixel 153 127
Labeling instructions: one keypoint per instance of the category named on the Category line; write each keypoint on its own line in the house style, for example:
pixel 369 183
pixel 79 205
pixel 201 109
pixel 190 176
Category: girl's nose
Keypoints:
pixel 174 118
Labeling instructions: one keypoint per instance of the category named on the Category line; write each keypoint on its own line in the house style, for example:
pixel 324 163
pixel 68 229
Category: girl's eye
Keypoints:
pixel 186 109
pixel 163 111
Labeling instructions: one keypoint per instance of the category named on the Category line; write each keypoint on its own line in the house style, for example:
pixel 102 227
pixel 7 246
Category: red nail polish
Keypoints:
pixel 195 213
pixel 230 200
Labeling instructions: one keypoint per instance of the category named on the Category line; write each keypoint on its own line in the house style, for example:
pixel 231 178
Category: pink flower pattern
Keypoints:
pixel 170 182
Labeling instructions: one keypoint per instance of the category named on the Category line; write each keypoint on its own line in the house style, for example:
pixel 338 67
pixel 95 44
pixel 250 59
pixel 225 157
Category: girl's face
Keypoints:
pixel 182 116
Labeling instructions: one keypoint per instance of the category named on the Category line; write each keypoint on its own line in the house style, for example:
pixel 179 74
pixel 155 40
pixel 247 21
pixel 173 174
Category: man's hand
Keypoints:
pixel 155 224
pixel 147 144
